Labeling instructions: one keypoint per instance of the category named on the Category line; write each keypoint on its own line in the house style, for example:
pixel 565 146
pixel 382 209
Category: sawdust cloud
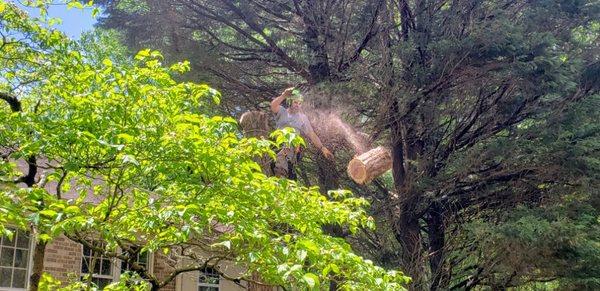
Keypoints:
pixel 334 132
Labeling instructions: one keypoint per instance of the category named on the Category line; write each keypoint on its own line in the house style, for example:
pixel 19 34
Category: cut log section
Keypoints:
pixel 255 124
pixel 366 167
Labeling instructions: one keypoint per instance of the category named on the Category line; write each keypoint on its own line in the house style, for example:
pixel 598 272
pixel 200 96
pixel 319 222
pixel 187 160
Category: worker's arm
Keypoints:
pixel 314 139
pixel 279 99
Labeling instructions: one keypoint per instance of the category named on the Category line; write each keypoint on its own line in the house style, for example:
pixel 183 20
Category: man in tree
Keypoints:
pixel 293 117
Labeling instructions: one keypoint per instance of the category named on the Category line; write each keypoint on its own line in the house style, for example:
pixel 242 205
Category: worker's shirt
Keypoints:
pixel 298 120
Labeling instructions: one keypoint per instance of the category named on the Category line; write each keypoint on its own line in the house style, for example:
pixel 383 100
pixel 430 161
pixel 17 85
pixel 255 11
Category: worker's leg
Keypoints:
pixel 293 163
pixel 291 170
pixel 281 163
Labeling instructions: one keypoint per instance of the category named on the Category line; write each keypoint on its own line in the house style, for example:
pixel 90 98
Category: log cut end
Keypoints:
pixel 357 171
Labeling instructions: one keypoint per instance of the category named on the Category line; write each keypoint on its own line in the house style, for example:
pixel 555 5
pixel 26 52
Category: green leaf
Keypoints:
pixel 301 255
pixel 48 213
pixel 309 246
pixel 125 137
pixel 129 159
pixel 326 271
pixel 54 21
pixel 71 210
pixel 48 283
pixel 142 54
pixel 311 280
pixel 335 268
pixel 107 62
pixel 74 4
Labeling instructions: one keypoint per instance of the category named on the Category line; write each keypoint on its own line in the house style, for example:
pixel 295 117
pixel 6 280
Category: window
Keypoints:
pixel 208 280
pixel 104 270
pixel 100 267
pixel 14 260
pixel 142 258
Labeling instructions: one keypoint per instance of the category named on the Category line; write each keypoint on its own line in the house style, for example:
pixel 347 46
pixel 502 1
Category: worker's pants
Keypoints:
pixel 285 162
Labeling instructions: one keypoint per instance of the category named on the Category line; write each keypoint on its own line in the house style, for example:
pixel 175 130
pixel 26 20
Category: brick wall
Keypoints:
pixel 63 259
pixel 63 262
pixel 162 269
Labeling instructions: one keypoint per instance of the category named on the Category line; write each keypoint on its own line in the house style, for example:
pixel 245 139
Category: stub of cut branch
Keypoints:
pixel 368 166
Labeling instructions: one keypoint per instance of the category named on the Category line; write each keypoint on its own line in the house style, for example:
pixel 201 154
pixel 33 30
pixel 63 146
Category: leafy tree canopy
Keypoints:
pixel 126 154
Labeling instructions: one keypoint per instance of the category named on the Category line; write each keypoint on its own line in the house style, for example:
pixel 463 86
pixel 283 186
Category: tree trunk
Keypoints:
pixel 38 265
pixel 366 167
pixel 408 232
pixel 406 224
pixel 403 204
pixel 436 232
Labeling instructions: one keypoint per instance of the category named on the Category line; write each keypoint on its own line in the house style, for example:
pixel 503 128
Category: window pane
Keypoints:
pixel 124 267
pixel 19 278
pixel 106 267
pixel 6 257
pixel 143 258
pixel 208 280
pixel 14 259
pixel 23 240
pixel 209 276
pixel 202 278
pixel 101 282
pixel 87 251
pixel 84 265
pixel 21 258
pixel 5 275
pixel 212 280
pixel 7 242
pixel 96 263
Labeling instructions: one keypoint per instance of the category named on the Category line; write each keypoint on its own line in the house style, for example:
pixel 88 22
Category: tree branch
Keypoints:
pixel 15 104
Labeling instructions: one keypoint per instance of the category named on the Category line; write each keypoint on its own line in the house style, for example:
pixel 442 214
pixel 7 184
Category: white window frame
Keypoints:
pixel 149 263
pixel 202 284
pixel 115 267
pixel 113 277
pixel 32 240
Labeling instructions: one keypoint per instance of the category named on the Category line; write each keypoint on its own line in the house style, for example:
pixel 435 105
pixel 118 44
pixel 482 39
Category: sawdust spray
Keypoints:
pixel 328 124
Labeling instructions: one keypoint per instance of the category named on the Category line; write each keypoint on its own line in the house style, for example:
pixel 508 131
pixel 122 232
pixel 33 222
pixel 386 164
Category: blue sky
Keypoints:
pixel 74 21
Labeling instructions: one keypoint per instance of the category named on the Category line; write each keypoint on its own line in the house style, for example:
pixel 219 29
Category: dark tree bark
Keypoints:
pixel 13 102
pixel 437 235
pixel 39 252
